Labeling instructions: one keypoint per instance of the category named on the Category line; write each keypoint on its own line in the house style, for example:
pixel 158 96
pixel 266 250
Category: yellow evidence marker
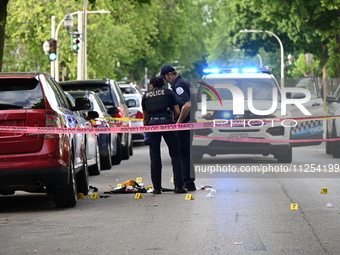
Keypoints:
pixel 139 179
pixel 138 196
pixel 189 197
pixel 81 196
pixel 324 191
pixel 294 206
pixel 119 185
pixel 172 179
pixel 94 196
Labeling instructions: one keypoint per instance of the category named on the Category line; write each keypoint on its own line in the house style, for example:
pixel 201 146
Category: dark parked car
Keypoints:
pixel 33 162
pixel 109 92
pixel 110 149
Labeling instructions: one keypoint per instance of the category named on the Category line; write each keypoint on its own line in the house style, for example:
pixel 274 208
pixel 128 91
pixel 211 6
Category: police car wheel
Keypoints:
pixel 286 157
pixel 335 145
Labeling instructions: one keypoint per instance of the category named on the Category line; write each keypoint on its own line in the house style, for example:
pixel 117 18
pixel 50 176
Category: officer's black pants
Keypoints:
pixel 185 141
pixel 170 138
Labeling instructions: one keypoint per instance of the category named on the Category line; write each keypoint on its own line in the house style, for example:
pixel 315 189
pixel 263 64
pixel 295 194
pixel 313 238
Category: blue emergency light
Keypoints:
pixel 236 70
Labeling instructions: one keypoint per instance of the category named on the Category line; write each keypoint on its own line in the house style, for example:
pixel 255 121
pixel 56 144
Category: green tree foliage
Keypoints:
pixel 301 67
pixel 121 44
pixel 185 33
pixel 3 18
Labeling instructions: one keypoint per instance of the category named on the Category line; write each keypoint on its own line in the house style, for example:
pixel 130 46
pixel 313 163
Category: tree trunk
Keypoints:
pixel 3 16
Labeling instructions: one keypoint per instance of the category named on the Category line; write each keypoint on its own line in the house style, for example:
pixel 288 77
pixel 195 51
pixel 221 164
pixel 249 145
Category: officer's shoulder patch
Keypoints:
pixel 179 90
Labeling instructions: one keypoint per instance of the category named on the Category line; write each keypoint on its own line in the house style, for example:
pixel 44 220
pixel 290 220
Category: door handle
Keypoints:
pixel 316 104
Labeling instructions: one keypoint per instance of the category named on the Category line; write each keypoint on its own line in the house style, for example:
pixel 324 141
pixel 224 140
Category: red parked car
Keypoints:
pixel 49 163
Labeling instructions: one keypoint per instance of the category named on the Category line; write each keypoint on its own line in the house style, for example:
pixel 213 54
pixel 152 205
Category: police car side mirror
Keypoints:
pixel 299 95
pixel 131 103
pixel 331 98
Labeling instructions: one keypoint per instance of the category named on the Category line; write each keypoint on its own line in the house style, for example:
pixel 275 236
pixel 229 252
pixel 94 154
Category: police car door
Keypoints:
pixel 309 129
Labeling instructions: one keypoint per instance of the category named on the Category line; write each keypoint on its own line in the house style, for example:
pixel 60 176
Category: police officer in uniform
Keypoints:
pixel 159 105
pixel 183 90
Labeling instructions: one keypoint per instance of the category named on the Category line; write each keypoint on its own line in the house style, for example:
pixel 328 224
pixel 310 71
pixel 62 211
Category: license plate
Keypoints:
pixel 238 136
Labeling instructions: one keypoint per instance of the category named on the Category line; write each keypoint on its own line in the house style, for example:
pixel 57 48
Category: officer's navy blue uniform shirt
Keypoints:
pixel 181 88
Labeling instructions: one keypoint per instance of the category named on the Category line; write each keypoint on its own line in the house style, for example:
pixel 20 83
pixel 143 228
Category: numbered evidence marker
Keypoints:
pixel 81 196
pixel 138 196
pixel 294 206
pixel 324 191
pixel 139 179
pixel 94 196
pixel 119 185
pixel 189 197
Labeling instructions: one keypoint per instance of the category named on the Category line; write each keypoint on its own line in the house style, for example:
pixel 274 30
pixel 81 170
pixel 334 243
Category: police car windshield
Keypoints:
pixel 262 88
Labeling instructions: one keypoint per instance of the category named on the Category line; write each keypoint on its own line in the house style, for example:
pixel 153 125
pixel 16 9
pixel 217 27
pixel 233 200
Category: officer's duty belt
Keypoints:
pixel 159 118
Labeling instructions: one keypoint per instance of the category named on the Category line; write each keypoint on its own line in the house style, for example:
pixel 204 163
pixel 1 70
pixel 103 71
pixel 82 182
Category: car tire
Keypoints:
pixel 116 159
pixel 197 158
pixel 126 153
pixel 83 178
pixel 106 161
pixel 67 196
pixel 95 169
pixel 335 145
pixel 286 157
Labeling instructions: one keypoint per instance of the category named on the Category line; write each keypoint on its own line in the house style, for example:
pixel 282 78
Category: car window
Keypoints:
pixel 21 94
pixel 337 92
pixel 59 95
pixel 128 90
pixel 262 88
pixel 100 104
pixel 118 93
pixel 101 89
pixel 309 84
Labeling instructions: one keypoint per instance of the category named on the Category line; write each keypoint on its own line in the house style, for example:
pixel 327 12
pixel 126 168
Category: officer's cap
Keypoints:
pixel 165 70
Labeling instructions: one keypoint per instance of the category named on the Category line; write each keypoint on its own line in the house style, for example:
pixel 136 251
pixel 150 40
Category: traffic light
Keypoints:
pixel 52 53
pixel 75 42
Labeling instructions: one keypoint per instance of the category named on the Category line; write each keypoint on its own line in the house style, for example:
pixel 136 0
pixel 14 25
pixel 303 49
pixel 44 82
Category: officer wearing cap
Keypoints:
pixel 182 88
pixel 159 104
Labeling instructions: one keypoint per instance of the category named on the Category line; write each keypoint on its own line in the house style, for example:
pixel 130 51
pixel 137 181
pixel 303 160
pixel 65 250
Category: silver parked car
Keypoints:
pixel 132 91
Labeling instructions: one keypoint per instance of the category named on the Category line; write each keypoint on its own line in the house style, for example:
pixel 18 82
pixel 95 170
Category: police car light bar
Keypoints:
pixel 236 70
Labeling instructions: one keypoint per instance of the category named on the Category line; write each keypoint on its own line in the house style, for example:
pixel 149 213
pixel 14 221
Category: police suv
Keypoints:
pixel 246 103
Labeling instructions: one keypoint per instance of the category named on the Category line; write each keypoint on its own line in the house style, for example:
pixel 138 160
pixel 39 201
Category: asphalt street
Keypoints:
pixel 248 214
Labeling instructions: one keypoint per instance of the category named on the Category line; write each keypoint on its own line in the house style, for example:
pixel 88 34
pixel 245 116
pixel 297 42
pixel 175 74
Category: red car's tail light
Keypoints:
pixel 138 115
pixel 52 121
pixel 120 114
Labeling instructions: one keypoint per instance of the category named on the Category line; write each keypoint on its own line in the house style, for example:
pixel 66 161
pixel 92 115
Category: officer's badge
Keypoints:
pixel 179 91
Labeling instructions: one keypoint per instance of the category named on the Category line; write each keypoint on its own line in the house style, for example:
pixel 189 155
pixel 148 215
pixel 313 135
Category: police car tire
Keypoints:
pixel 287 157
pixel 335 145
